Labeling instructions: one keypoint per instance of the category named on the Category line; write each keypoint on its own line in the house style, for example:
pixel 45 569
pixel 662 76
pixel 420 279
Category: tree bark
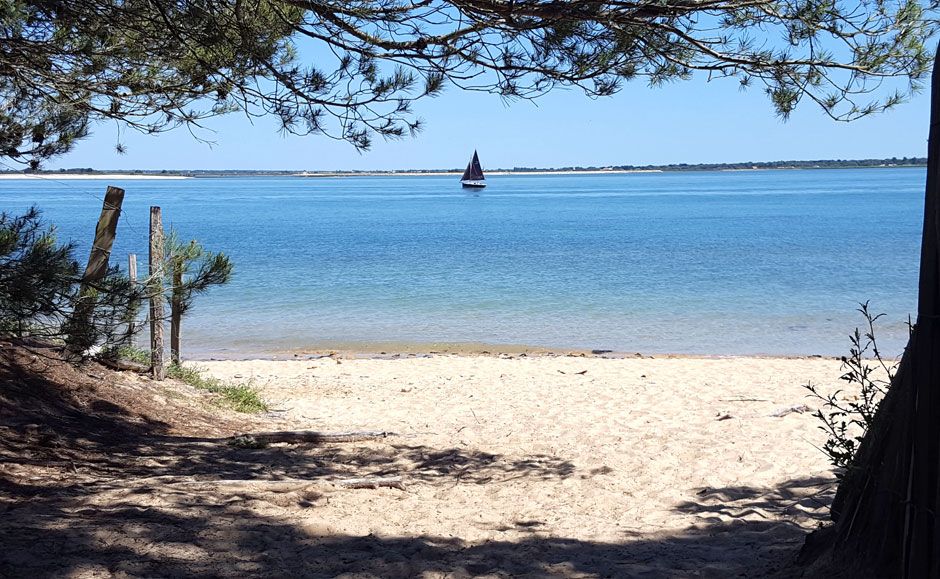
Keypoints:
pixel 885 508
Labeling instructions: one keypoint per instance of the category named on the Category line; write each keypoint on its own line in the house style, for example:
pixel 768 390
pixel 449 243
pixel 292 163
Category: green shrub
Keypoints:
pixel 847 414
pixel 127 352
pixel 238 397
pixel 39 288
pixel 37 275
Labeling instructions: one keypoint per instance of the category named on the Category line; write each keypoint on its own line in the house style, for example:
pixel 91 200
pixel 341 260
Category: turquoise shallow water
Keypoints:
pixel 763 262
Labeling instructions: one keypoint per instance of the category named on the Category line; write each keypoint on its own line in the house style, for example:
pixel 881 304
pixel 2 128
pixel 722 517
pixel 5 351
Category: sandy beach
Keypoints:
pixel 506 465
pixel 569 466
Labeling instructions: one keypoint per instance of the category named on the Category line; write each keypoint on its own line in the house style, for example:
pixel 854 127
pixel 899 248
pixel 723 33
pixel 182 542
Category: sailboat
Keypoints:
pixel 473 177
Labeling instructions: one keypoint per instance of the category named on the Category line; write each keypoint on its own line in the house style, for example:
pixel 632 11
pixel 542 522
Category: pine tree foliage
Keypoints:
pixel 37 275
pixel 351 69
pixel 39 287
pixel 200 269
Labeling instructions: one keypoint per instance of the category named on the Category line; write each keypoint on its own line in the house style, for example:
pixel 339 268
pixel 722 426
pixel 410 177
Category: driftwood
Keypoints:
pixel 268 485
pixel 798 409
pixel 306 436
pixel 394 482
pixel 122 364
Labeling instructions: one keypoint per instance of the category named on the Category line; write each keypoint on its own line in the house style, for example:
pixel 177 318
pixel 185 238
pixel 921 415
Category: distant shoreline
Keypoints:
pixel 89 176
pixel 457 173
pixel 791 165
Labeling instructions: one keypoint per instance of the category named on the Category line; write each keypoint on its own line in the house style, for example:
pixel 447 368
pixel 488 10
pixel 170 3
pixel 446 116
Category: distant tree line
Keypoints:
pixel 817 164
pixel 742 166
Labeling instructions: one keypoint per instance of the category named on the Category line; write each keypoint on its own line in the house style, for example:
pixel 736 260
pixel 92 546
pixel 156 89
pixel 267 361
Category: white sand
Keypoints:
pixel 666 467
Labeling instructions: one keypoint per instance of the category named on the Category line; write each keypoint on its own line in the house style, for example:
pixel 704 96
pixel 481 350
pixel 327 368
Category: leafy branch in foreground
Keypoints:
pixel 351 70
pixel 846 415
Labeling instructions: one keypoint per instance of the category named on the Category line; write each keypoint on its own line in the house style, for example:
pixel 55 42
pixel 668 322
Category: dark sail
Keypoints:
pixel 474 171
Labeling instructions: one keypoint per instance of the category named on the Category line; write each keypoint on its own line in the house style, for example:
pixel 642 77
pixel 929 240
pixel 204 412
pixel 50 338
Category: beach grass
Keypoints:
pixel 239 397
pixel 126 352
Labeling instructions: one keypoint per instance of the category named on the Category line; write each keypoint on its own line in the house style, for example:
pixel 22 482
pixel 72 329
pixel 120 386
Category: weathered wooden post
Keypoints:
pixel 156 294
pixel 133 307
pixel 176 309
pixel 79 337
pixel 132 267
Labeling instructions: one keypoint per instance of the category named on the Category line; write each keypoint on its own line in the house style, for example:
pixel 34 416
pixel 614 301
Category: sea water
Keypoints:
pixel 751 262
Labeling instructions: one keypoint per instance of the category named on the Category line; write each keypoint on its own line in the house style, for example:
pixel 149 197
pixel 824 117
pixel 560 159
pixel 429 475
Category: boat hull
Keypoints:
pixel 473 184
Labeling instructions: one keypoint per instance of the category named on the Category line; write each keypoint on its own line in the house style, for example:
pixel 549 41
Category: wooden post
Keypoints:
pixel 134 307
pixel 78 335
pixel 156 294
pixel 176 309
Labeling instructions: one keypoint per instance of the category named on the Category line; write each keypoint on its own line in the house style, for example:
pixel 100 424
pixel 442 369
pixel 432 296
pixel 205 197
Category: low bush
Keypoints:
pixel 40 286
pixel 238 397
pixel 847 413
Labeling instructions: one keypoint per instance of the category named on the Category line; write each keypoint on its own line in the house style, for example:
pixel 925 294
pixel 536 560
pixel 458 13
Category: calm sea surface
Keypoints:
pixel 764 262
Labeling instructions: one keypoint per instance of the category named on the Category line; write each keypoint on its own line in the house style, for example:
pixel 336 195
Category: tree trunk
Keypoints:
pixel 886 504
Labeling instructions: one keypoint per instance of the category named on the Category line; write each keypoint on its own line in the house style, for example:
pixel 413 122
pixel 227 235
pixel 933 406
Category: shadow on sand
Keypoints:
pixel 60 454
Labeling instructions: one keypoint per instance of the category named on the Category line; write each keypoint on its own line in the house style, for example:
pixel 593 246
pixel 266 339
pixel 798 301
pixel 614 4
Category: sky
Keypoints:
pixel 684 122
